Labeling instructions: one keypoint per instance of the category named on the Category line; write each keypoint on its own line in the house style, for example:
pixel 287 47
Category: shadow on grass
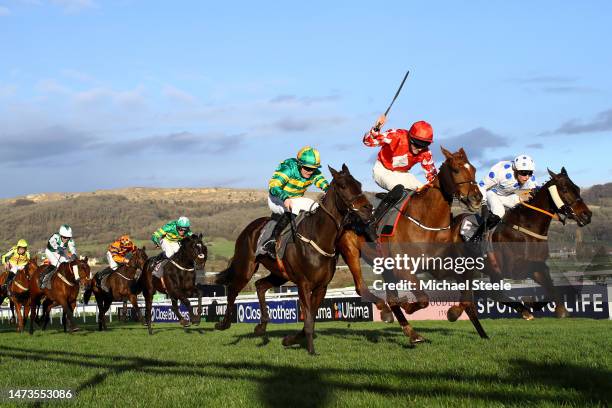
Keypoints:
pixel 285 385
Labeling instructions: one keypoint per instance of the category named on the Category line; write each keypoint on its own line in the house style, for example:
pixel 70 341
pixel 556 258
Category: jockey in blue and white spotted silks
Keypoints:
pixel 506 182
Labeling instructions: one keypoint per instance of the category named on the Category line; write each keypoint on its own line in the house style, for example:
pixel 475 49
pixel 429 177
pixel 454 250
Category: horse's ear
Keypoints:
pixel 446 153
pixel 86 259
pixel 333 172
pixel 552 173
pixel 345 169
pixel 563 171
pixel 144 248
pixel 200 235
pixel 463 152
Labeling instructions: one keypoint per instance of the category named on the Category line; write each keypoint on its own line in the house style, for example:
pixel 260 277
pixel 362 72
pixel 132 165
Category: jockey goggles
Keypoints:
pixel 419 143
pixel 524 172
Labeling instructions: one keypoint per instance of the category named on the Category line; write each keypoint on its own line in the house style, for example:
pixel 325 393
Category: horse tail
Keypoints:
pixel 87 294
pixel 227 275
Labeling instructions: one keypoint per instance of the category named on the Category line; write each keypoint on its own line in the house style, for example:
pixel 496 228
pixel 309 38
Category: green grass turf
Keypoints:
pixel 545 362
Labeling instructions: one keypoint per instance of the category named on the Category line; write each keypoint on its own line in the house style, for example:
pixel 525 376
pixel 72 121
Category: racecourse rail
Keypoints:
pixel 594 300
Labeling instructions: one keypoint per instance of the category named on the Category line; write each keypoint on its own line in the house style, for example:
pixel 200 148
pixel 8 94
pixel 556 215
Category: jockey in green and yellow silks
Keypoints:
pixel 291 179
pixel 288 185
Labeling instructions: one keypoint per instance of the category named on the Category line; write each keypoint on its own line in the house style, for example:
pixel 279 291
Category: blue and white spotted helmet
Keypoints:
pixel 523 162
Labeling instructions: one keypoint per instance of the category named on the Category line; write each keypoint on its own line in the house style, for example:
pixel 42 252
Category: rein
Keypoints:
pixel 181 267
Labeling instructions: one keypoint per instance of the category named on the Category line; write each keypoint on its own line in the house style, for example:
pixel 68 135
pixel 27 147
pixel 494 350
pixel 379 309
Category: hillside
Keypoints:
pixel 99 217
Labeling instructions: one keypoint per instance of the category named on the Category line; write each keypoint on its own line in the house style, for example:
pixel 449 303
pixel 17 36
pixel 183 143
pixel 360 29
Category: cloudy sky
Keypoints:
pixel 105 94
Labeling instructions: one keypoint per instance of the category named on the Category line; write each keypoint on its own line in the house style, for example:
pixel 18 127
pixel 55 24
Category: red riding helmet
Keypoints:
pixel 422 132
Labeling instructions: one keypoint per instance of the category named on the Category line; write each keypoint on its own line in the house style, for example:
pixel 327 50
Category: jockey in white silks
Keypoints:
pixel 507 184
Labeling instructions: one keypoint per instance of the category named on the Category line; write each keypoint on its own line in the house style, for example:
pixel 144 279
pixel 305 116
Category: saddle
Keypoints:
pixel 45 277
pixel 388 221
pixel 158 265
pixel 285 236
pixel 101 278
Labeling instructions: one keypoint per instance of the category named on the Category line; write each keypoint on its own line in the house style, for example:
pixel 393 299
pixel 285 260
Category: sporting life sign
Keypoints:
pixel 585 301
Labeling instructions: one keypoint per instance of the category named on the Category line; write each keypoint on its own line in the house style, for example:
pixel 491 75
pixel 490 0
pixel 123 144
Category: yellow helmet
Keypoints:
pixel 309 157
pixel 22 243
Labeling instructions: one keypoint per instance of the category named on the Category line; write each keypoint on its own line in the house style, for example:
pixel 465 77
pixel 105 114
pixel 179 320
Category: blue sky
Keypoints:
pixel 113 94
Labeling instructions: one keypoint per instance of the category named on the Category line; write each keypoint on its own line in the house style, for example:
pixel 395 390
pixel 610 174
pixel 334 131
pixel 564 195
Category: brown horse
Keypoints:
pixel 18 292
pixel 310 261
pixel 4 294
pixel 119 283
pixel 520 246
pixel 426 219
pixel 64 291
pixel 179 280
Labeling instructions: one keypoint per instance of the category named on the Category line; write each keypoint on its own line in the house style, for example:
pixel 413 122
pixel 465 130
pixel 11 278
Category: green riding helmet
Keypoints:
pixel 183 222
pixel 309 157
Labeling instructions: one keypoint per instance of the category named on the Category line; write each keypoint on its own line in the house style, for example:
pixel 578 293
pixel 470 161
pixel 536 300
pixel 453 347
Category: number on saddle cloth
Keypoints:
pixel 158 265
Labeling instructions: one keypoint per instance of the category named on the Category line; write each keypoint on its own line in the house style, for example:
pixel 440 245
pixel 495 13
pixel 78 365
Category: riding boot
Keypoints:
pixel 389 200
pixel 283 221
pixel 8 280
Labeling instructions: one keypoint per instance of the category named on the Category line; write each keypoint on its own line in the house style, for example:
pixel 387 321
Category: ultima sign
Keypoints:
pixel 345 309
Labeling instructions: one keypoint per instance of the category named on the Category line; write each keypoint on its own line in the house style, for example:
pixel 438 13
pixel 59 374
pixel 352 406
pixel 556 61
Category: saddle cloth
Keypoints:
pixel 387 224
pixel 45 278
pixel 285 237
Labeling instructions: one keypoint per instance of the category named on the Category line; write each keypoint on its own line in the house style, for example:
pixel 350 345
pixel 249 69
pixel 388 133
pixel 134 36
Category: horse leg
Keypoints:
pixel 262 286
pixel 69 316
pixel 125 318
pixel 243 271
pixel 12 306
pixel 412 334
pixel 106 304
pixel 542 276
pixel 46 310
pixel 185 302
pixel 33 308
pixel 305 294
pixel 467 305
pixel 134 301
pixel 26 313
pixel 19 318
pixel 177 312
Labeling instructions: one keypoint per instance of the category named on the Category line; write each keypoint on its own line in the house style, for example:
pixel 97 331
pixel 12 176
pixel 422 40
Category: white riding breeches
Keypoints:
pixel 111 262
pixel 498 203
pixel 169 247
pixel 298 204
pixel 55 258
pixel 387 179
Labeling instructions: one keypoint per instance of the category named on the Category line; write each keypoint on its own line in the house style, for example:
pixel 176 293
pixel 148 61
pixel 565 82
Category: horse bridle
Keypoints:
pixel 350 207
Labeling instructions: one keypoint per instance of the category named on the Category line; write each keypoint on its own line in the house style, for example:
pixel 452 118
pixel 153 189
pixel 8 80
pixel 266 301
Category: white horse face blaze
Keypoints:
pixel 75 271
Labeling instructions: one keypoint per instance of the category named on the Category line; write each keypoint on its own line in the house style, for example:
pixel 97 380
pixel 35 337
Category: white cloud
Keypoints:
pixel 4 11
pixel 178 95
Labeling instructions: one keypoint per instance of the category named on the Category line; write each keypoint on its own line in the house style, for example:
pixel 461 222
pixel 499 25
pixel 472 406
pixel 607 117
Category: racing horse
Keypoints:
pixel 18 292
pixel 424 225
pixel 119 283
pixel 520 241
pixel 4 294
pixel 64 284
pixel 179 280
pixel 310 262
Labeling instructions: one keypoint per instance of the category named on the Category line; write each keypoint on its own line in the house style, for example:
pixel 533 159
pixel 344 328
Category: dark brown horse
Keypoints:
pixel 179 279
pixel 4 295
pixel 426 219
pixel 119 283
pixel 18 291
pixel 520 246
pixel 310 262
pixel 64 291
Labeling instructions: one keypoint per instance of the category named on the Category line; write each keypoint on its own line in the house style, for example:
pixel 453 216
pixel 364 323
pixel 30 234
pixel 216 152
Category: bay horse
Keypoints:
pixel 179 279
pixel 426 219
pixel 119 283
pixel 65 284
pixel 520 245
pixel 310 262
pixel 4 295
pixel 18 292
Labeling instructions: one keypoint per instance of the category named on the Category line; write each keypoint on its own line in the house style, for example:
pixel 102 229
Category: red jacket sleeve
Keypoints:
pixel 428 165
pixel 374 138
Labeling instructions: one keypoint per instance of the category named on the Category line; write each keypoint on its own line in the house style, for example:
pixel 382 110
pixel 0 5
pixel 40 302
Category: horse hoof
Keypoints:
pixel 453 313
pixel 260 329
pixel 561 312
pixel 221 326
pixel 288 341
pixel 386 316
pixel 184 323
pixel 416 339
pixel 74 330
pixel 527 316
pixel 12 321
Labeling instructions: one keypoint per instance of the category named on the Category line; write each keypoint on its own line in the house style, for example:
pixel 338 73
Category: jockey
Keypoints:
pixel 288 185
pixel 120 251
pixel 15 260
pixel 169 236
pixel 507 184
pixel 61 247
pixel 400 150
